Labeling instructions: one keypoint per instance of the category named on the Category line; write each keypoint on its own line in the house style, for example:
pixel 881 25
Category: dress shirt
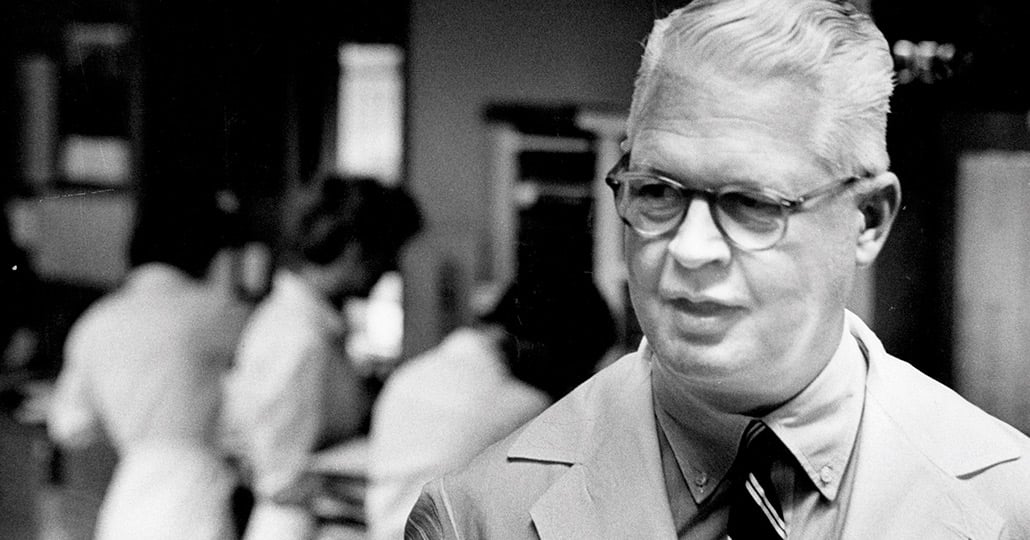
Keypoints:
pixel 291 392
pixel 434 415
pixel 818 426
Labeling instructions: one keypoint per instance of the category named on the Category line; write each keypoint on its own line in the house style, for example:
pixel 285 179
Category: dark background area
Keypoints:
pixel 981 105
pixel 221 94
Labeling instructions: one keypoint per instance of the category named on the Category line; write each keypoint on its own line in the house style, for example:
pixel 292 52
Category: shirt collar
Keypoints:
pixel 818 426
pixel 703 440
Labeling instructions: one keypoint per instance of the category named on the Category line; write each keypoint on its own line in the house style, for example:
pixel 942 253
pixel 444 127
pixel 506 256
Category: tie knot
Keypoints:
pixel 760 447
pixel 757 436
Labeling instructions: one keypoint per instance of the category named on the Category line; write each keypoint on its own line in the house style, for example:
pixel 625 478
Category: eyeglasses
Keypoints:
pixel 752 219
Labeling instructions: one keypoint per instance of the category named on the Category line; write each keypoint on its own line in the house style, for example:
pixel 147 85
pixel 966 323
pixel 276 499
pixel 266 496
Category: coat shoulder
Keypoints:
pixel 965 442
pixel 957 435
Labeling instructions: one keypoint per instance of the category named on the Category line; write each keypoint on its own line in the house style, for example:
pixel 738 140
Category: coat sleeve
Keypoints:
pixel 430 518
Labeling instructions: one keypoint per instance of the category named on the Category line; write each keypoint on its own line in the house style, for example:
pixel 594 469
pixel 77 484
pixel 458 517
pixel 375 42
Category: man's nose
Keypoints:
pixel 698 240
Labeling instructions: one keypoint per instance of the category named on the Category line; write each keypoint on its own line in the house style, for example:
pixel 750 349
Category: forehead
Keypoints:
pixel 740 129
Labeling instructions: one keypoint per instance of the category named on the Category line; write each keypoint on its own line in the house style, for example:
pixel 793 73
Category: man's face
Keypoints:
pixel 744 330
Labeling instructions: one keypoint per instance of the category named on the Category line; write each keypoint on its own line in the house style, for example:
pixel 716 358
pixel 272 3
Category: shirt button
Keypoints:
pixel 701 480
pixel 826 474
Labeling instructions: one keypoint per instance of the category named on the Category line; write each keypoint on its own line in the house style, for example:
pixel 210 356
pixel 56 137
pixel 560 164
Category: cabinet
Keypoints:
pixel 75 158
pixel 549 210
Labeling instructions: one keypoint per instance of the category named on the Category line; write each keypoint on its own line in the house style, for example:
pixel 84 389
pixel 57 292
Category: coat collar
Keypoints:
pixel 925 500
pixel 907 447
pixel 606 432
pixel 939 418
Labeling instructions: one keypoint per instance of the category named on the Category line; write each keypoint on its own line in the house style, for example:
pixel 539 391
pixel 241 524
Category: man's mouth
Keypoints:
pixel 704 319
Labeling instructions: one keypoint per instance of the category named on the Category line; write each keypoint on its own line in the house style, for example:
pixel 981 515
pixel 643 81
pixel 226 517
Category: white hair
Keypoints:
pixel 827 45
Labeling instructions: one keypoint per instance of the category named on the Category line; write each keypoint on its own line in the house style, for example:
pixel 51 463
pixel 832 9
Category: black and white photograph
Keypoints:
pixel 514 270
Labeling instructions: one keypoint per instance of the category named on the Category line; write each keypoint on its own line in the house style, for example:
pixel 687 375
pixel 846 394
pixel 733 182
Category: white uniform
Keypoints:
pixel 142 365
pixel 291 391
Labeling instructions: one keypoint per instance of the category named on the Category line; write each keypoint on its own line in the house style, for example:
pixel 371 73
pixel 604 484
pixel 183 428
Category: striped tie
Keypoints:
pixel 755 512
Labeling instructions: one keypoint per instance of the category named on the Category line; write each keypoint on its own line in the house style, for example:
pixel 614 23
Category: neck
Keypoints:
pixel 696 418
pixel 682 397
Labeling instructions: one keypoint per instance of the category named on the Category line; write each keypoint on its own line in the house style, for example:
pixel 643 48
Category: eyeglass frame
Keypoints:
pixel 788 206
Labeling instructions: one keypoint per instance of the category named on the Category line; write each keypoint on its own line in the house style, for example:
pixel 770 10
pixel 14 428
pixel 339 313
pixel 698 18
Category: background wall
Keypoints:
pixel 975 101
pixel 462 56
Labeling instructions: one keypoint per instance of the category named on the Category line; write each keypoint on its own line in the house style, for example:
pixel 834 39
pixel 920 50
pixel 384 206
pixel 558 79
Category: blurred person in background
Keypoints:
pixel 482 382
pixel 293 390
pixel 141 371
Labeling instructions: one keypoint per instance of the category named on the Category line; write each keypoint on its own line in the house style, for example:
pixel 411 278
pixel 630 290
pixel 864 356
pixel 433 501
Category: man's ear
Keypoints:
pixel 878 202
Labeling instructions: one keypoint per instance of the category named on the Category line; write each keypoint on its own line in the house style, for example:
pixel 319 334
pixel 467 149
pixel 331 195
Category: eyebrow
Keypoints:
pixel 749 183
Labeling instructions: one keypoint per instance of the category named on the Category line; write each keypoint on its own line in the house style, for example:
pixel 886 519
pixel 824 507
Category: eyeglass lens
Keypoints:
pixel 749 219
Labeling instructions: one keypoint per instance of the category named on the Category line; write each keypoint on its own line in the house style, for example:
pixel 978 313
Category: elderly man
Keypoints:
pixel 755 183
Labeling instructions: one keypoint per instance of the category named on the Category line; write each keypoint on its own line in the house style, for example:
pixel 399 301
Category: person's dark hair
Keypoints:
pixel 334 211
pixel 557 331
pixel 182 234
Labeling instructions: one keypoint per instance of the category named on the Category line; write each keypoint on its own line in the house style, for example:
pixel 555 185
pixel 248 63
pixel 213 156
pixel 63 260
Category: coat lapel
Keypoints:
pixel 614 487
pixel 899 493
pixel 907 460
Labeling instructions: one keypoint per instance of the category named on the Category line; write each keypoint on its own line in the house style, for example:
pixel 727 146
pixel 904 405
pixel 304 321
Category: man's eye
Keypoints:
pixel 751 210
pixel 749 202
pixel 656 191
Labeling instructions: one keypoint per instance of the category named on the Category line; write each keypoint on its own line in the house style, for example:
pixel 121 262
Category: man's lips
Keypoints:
pixel 704 308
pixel 701 303
pixel 703 320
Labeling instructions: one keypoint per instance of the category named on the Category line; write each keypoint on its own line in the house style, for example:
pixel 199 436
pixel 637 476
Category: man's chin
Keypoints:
pixel 707 356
